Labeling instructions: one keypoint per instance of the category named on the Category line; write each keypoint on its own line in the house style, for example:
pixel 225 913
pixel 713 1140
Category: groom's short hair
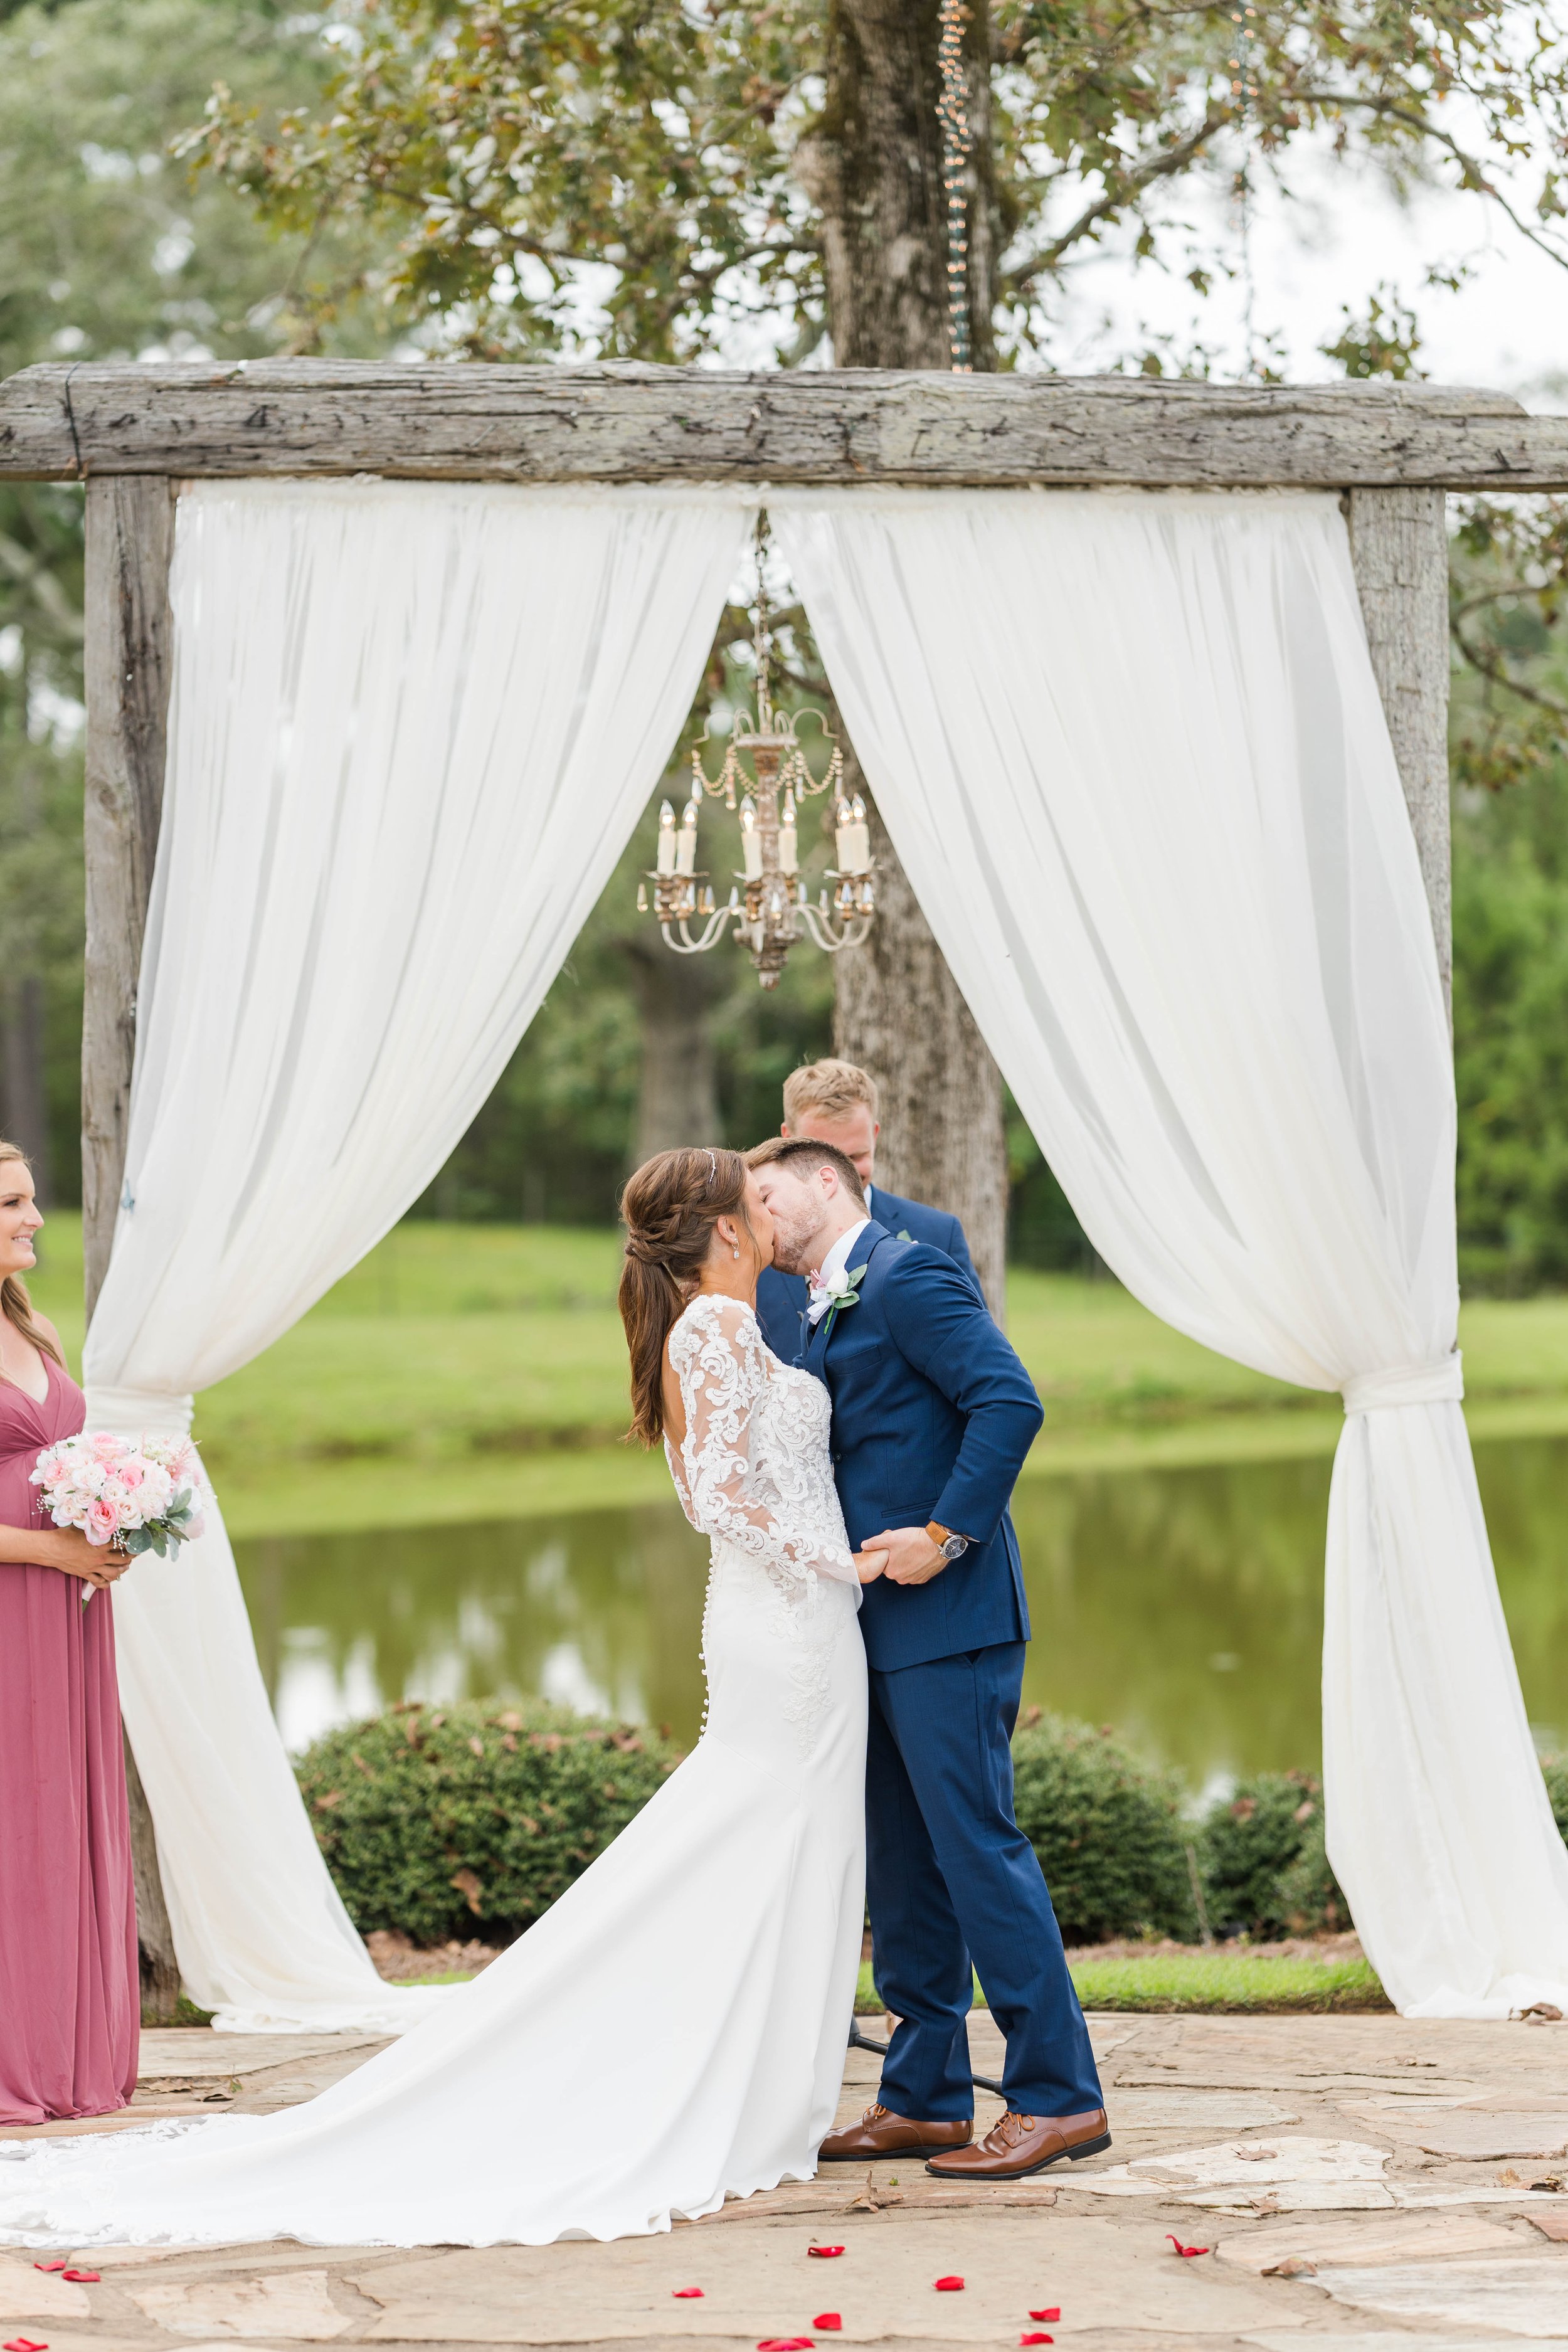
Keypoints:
pixel 800 1154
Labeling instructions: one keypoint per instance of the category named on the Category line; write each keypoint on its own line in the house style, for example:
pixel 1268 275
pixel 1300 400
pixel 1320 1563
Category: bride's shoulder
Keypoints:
pixel 709 1316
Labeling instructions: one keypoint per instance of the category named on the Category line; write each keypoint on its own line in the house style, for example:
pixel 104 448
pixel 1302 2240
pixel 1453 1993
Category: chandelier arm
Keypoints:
pixel 685 944
pixel 823 935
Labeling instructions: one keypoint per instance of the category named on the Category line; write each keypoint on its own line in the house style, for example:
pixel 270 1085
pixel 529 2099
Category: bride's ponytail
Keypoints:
pixel 670 1207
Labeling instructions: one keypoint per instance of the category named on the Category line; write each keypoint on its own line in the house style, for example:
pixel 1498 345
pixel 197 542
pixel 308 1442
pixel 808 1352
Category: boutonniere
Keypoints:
pixel 844 1291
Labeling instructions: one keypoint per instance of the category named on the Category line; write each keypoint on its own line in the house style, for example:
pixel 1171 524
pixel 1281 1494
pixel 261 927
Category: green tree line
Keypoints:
pixel 347 203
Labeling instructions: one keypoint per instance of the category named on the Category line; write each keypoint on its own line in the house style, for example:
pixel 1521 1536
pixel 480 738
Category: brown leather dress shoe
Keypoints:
pixel 880 2132
pixel 1016 2145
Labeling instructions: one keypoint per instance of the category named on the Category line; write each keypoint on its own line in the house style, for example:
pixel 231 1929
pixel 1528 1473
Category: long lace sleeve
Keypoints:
pixel 720 1362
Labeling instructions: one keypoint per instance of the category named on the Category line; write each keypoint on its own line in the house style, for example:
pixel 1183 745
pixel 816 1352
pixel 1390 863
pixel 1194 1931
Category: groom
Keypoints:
pixel 835 1102
pixel 932 1416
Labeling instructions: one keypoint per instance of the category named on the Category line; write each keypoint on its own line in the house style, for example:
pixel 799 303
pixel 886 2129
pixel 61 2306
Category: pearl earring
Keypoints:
pixel 737 1253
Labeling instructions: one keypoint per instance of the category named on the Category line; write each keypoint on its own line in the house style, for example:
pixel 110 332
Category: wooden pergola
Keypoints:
pixel 133 434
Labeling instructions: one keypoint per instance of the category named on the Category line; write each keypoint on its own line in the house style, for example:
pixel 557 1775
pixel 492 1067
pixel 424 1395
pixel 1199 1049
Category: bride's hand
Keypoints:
pixel 869 1565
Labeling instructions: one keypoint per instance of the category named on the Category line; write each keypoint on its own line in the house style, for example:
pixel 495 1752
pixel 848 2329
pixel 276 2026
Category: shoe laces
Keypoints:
pixel 874 2114
pixel 1010 2128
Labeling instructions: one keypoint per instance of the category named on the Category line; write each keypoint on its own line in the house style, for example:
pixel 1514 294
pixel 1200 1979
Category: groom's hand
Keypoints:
pixel 912 1557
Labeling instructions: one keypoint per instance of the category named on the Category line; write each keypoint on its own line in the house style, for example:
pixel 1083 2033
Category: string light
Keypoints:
pixel 1241 88
pixel 952 115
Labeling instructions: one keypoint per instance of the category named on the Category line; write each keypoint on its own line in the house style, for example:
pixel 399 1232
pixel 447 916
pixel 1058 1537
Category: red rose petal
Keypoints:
pixel 1185 2252
pixel 1038 2336
pixel 685 2294
pixel 1055 2313
pixel 951 2286
pixel 23 2344
pixel 828 2321
pixel 83 2278
pixel 786 2344
pixel 823 2254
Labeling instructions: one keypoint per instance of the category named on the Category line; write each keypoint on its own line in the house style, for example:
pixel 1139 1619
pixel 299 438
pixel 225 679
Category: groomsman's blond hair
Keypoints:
pixel 829 1088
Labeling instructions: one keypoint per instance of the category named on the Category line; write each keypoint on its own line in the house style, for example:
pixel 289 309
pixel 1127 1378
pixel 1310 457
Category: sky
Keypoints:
pixel 1345 236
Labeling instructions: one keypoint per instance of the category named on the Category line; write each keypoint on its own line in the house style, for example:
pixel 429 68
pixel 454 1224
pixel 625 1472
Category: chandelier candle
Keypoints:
pixel 665 856
pixel 751 846
pixel 852 837
pixel 686 848
pixel 789 839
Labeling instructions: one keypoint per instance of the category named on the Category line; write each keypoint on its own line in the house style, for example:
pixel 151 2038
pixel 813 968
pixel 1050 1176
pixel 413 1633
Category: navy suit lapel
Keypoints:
pixel 861 1256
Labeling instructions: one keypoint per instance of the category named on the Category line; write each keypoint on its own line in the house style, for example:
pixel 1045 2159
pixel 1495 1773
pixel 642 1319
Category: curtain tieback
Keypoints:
pixel 134 1412
pixel 1440 1382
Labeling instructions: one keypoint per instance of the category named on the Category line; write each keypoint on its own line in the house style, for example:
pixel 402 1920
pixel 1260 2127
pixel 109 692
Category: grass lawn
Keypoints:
pixel 475 1372
pixel 1221 1983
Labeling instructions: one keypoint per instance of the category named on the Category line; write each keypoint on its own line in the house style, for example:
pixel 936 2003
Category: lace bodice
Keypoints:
pixel 754 1469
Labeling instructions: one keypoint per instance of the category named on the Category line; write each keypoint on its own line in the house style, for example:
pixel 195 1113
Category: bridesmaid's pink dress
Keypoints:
pixel 70 1983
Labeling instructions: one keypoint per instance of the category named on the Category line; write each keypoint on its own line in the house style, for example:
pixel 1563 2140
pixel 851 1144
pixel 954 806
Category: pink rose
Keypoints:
pixel 131 1475
pixel 102 1521
pixel 105 1445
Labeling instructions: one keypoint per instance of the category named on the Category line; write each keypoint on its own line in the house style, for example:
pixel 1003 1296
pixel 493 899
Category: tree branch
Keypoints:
pixel 1415 120
pixel 1490 665
pixel 1143 175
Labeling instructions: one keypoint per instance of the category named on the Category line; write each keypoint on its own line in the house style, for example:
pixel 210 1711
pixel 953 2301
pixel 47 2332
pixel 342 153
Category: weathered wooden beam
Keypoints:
pixel 624 423
pixel 1399 545
pixel 126 653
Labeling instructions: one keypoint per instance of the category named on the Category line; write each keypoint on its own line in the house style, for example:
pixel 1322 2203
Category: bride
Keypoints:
pixel 672 2032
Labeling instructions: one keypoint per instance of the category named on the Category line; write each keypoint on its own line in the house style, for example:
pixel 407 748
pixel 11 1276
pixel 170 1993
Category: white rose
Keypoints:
pixel 838 1282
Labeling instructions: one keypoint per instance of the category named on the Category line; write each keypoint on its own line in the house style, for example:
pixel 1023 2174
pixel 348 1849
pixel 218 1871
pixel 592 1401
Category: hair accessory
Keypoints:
pixel 712 1170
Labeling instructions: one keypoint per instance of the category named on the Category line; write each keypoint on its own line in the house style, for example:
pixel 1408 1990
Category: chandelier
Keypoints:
pixel 769 906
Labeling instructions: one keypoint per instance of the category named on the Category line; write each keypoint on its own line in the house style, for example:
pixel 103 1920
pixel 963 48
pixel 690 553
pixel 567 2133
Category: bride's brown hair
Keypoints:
pixel 14 1303
pixel 670 1207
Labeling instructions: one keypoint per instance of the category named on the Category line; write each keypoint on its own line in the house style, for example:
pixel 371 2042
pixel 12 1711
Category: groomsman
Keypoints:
pixel 834 1102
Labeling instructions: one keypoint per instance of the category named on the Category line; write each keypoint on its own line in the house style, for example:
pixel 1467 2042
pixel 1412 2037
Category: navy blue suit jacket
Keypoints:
pixel 932 1416
pixel 782 1298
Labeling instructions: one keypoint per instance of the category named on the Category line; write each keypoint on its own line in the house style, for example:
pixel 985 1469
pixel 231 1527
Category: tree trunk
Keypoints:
pixel 898 1012
pixel 872 164
pixel 25 1118
pixel 678 1097
pixel 154 1937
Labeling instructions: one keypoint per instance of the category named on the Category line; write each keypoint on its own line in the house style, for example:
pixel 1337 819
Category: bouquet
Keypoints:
pixel 139 1496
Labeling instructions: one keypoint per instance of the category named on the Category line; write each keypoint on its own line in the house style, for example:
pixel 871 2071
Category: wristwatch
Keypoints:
pixel 950 1546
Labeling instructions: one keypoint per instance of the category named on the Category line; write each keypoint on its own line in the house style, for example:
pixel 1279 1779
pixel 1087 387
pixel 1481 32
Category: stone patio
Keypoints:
pixel 1370 2182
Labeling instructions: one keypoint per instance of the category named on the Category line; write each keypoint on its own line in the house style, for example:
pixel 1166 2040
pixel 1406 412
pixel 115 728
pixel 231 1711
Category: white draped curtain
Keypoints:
pixel 1130 751
pixel 410 729
pixel 1131 754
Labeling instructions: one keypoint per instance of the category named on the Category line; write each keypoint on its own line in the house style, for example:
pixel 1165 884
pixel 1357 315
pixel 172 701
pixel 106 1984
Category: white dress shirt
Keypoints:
pixel 835 1261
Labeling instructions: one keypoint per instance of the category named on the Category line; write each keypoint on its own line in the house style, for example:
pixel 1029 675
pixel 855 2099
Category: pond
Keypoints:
pixel 1182 1606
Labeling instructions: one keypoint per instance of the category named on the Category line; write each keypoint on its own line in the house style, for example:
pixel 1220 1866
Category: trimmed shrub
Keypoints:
pixel 1264 1868
pixel 1555 1768
pixel 451 1822
pixel 1108 1831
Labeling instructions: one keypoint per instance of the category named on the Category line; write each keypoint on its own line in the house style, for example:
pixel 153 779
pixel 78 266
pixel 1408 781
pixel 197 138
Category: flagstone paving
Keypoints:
pixel 1369 2183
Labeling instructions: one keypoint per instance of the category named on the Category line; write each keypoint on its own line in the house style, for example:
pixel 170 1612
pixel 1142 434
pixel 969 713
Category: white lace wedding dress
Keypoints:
pixel 672 2032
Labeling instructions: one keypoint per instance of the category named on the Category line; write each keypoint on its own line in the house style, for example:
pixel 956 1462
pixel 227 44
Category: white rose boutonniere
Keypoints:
pixel 843 1291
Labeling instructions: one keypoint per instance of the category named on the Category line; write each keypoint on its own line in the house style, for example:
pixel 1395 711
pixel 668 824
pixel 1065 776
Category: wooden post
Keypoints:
pixel 1399 545
pixel 129 541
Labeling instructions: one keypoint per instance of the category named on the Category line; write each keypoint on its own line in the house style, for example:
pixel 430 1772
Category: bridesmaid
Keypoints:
pixel 70 1981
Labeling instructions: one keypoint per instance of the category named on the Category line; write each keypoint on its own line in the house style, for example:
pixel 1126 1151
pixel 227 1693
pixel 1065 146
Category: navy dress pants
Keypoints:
pixel 952 1880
